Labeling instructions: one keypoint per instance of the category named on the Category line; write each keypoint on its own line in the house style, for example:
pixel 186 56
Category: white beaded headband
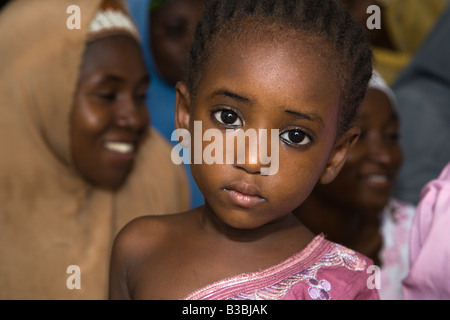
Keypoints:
pixel 377 82
pixel 109 20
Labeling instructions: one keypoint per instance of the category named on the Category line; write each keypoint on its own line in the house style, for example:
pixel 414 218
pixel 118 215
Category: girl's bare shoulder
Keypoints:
pixel 148 231
pixel 141 242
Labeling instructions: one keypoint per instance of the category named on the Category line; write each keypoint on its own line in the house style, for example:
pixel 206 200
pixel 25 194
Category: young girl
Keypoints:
pixel 299 67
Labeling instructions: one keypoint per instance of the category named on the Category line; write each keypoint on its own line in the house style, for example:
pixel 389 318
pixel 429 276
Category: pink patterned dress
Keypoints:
pixel 322 271
pixel 396 222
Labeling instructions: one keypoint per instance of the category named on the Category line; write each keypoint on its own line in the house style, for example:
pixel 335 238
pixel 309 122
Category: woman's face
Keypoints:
pixel 265 85
pixel 365 182
pixel 109 116
pixel 172 33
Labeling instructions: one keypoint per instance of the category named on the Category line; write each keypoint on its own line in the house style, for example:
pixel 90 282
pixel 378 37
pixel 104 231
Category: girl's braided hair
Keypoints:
pixel 322 19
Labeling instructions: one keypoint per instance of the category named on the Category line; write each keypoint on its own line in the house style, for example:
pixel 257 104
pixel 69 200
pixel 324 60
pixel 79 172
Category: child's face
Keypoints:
pixel 366 180
pixel 172 32
pixel 266 85
pixel 109 115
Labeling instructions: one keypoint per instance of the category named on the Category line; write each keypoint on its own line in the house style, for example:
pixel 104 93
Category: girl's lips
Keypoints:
pixel 244 195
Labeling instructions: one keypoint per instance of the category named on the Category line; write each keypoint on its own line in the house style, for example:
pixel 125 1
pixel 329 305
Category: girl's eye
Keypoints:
pixel 295 137
pixel 228 117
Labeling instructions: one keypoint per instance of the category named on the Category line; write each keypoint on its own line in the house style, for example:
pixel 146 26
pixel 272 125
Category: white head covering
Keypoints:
pixel 377 82
pixel 110 18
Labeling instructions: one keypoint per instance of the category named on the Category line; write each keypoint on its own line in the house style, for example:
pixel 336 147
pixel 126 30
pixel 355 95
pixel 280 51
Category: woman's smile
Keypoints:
pixel 119 147
pixel 121 153
pixel 376 179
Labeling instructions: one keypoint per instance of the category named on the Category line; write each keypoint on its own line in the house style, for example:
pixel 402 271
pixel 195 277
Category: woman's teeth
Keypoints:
pixel 120 147
pixel 378 178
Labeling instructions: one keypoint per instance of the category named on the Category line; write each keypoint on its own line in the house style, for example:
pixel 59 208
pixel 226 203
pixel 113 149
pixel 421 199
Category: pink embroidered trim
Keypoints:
pixel 318 289
pixel 275 282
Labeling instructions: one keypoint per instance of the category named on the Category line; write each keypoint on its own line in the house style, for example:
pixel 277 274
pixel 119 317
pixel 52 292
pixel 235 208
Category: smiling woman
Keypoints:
pixel 109 117
pixel 79 159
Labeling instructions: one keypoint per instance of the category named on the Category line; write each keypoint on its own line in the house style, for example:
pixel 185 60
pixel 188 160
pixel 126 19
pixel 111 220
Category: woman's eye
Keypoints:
pixel 141 96
pixel 228 117
pixel 296 137
pixel 392 136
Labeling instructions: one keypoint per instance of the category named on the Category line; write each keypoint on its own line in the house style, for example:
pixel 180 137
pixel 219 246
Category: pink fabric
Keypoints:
pixel 429 276
pixel 396 221
pixel 323 270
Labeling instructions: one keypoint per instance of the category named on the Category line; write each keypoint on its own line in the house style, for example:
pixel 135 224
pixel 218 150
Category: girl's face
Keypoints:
pixel 109 115
pixel 366 180
pixel 266 85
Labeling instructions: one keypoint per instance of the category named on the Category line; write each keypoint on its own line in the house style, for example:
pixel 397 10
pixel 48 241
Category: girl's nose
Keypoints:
pixel 251 150
pixel 249 160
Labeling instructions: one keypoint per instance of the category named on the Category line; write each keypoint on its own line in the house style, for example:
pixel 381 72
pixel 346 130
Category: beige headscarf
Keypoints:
pixel 49 217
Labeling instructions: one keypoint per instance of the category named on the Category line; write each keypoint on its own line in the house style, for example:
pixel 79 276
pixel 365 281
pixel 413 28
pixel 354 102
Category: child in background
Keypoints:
pixel 300 68
pixel 429 243
pixel 167 28
pixel 357 208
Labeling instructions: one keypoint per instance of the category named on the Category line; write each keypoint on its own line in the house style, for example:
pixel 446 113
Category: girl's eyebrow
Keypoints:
pixel 227 93
pixel 309 117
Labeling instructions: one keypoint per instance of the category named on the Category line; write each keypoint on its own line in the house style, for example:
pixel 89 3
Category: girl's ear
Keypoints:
pixel 337 159
pixel 182 106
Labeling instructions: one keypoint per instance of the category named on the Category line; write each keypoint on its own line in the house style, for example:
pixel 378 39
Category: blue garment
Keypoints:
pixel 423 96
pixel 160 95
